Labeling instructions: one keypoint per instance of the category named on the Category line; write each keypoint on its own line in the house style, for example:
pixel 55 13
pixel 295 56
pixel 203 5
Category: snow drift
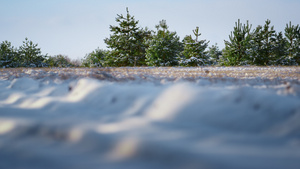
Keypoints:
pixel 88 123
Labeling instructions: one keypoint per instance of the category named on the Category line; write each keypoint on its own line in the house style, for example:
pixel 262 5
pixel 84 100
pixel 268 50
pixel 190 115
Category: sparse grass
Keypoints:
pixel 148 73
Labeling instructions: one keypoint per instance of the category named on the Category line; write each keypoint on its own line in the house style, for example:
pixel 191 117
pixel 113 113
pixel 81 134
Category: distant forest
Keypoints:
pixel 131 45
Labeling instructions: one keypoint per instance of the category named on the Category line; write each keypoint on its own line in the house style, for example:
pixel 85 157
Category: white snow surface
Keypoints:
pixel 87 123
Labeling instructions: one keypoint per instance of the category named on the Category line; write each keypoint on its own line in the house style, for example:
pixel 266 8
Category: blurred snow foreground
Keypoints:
pixel 180 118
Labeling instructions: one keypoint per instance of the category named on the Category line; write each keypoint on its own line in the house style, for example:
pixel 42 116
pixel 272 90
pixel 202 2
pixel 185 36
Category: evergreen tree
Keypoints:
pixel 292 34
pixel 214 54
pixel 30 56
pixel 59 61
pixel 280 50
pixel 7 55
pixel 127 42
pixel 236 50
pixel 97 58
pixel 164 47
pixel 194 51
pixel 263 45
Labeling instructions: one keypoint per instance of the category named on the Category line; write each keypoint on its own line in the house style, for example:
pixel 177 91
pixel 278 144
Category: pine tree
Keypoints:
pixel 263 45
pixel 29 55
pixel 194 51
pixel 127 42
pixel 236 50
pixel 164 47
pixel 97 58
pixel 59 61
pixel 7 55
pixel 280 50
pixel 292 34
pixel 214 54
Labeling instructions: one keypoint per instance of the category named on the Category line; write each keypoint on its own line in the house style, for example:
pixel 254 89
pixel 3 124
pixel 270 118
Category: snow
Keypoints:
pixel 208 117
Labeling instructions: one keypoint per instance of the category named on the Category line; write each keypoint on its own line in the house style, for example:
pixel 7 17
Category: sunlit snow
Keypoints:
pixel 181 118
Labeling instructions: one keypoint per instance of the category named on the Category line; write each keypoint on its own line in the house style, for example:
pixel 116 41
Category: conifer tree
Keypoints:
pixel 59 61
pixel 280 51
pixel 292 34
pixel 7 55
pixel 214 54
pixel 29 55
pixel 97 58
pixel 263 45
pixel 236 50
pixel 194 51
pixel 164 47
pixel 127 42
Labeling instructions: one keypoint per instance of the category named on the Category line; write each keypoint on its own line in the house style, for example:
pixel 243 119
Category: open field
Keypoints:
pixel 181 118
pixel 146 73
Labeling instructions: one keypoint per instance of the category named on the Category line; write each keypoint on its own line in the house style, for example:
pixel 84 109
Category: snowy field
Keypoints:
pixel 145 118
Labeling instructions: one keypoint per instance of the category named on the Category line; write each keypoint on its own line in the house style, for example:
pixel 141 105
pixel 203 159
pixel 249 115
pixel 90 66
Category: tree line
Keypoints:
pixel 262 45
pixel 131 45
pixel 30 55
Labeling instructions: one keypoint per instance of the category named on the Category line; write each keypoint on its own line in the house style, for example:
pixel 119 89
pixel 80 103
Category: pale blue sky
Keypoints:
pixel 77 27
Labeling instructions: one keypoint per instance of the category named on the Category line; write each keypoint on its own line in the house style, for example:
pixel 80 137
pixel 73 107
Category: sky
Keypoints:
pixel 77 27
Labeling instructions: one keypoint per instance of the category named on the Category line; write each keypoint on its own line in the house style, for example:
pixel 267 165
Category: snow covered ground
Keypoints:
pixel 132 118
